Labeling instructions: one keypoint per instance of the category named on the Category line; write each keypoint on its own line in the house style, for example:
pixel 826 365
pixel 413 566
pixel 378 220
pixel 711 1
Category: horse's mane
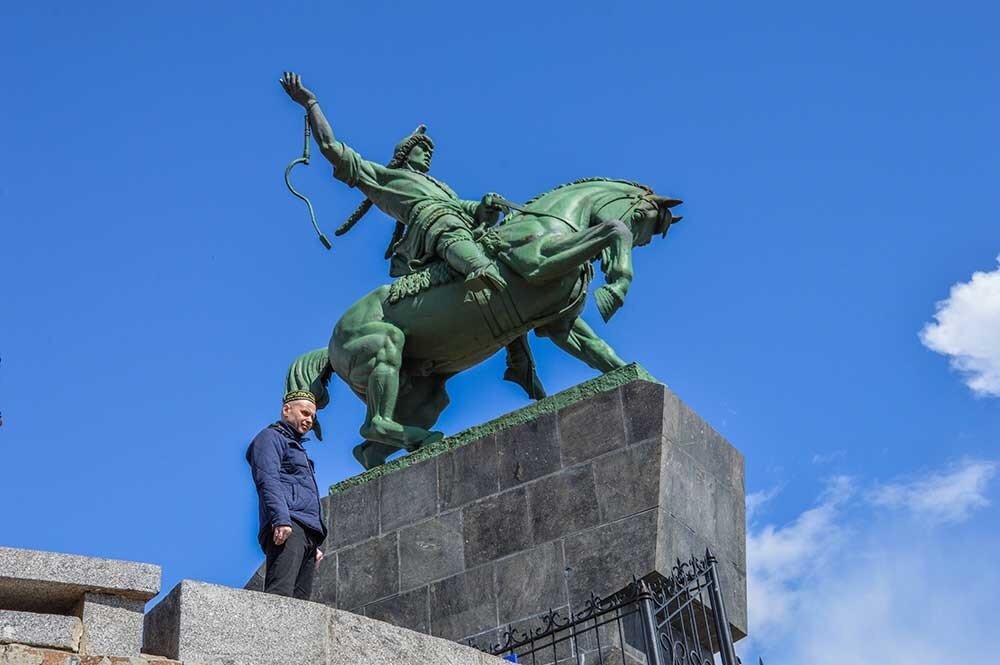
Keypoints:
pixel 586 180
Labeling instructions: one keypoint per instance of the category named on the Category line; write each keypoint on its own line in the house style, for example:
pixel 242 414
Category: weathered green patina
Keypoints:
pixel 603 383
pixel 397 346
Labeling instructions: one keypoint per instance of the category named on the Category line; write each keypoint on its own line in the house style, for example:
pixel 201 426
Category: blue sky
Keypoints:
pixel 838 163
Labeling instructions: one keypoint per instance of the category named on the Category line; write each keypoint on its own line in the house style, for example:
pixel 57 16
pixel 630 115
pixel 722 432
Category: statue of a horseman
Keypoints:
pixel 486 285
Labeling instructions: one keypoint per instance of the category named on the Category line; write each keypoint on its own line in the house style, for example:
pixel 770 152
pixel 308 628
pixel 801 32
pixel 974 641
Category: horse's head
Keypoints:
pixel 652 216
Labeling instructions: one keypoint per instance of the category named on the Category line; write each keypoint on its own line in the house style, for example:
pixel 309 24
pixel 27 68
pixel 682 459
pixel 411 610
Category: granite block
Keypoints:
pixel 591 427
pixel 431 550
pixel 407 496
pixel 468 473
pixel 368 571
pixel 530 582
pixel 217 625
pixel 161 626
pixel 563 503
pixel 353 515
pixel 354 639
pixel 50 582
pixel 687 490
pixel 464 605
pixel 407 610
pixel 51 631
pixel 601 560
pixel 710 449
pixel 643 405
pixel 496 526
pixel 325 580
pixel 112 625
pixel 528 451
pixel 628 481
pixel 213 624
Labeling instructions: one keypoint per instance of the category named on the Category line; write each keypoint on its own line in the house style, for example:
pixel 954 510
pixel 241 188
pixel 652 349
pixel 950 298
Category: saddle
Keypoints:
pixel 439 272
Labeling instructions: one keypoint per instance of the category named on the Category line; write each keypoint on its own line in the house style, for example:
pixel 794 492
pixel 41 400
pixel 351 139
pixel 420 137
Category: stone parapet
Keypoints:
pixel 107 595
pixel 537 510
pixel 219 625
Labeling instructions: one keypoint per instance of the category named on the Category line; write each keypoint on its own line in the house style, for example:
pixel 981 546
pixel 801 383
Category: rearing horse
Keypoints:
pixel 397 352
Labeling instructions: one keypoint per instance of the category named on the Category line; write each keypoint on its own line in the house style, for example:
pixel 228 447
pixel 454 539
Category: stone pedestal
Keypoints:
pixel 536 510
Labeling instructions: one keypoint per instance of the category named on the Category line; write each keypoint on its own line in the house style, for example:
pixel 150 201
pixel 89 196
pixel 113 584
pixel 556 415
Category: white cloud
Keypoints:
pixel 756 500
pixel 827 458
pixel 846 582
pixel 946 496
pixel 778 559
pixel 967 329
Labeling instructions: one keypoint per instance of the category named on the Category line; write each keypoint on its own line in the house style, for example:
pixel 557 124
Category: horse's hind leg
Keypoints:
pixel 375 357
pixel 421 400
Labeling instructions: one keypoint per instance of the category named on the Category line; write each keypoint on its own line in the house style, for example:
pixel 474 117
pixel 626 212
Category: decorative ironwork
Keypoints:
pixel 675 620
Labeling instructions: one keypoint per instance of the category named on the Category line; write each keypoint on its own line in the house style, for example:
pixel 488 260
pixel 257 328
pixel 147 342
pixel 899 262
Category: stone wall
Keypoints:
pixel 538 510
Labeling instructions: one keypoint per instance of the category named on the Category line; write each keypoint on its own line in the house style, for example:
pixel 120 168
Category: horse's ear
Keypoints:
pixel 667 201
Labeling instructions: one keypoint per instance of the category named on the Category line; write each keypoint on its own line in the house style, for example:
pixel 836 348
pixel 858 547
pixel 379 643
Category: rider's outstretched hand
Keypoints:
pixel 292 83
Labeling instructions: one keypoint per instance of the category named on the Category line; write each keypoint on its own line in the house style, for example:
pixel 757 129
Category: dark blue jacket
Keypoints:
pixel 286 481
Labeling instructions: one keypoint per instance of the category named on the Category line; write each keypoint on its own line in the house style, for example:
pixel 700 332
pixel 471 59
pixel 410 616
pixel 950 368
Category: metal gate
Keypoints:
pixel 656 620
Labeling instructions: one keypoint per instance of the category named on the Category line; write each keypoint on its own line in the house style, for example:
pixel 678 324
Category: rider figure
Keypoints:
pixel 437 223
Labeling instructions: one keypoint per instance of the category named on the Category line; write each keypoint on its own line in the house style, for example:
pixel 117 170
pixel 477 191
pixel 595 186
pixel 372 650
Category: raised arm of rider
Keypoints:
pixel 331 148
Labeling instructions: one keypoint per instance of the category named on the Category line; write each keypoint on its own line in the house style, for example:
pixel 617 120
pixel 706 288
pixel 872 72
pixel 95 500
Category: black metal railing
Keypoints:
pixel 656 620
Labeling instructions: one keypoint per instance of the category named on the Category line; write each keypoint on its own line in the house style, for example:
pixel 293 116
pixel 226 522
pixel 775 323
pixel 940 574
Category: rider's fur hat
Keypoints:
pixel 404 147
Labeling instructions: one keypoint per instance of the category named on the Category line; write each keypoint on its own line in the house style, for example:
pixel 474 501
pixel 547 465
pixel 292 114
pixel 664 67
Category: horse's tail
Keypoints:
pixel 312 371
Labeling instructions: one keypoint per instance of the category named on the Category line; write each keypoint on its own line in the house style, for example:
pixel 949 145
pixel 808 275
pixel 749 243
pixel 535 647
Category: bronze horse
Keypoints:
pixel 397 352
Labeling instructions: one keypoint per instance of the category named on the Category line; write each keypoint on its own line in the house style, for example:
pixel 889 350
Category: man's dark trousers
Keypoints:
pixel 290 567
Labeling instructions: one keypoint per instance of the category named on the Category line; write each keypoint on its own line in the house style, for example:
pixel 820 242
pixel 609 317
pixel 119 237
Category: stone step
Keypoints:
pixel 107 595
pixel 50 631
pixel 212 624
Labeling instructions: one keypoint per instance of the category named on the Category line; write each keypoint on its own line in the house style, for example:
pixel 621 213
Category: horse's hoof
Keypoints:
pixel 366 458
pixel 426 440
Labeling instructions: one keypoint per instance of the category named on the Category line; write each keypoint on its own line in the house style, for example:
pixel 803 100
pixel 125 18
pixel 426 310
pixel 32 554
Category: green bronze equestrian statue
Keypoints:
pixel 464 288
pixel 432 223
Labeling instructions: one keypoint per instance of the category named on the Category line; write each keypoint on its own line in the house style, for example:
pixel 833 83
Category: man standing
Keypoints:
pixel 291 517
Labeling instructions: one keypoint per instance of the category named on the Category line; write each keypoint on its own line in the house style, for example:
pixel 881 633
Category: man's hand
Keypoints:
pixel 281 534
pixel 292 83
pixel 489 209
pixel 319 555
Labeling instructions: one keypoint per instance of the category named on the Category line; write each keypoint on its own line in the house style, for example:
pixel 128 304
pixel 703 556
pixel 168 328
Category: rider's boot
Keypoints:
pixel 468 258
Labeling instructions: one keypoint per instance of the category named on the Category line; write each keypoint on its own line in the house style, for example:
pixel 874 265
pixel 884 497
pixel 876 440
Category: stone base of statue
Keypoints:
pixel 537 510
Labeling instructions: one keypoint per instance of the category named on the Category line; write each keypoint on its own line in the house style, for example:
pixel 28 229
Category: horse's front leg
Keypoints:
pixel 616 264
pixel 579 340
pixel 553 256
